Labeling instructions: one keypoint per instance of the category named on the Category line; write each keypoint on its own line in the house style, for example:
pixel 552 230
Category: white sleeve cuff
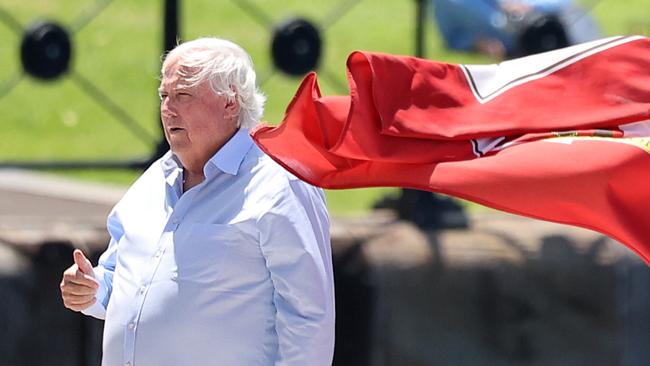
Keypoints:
pixel 98 309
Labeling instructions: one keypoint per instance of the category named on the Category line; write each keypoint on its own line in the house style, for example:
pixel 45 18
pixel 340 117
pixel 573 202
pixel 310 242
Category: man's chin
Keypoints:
pixel 178 145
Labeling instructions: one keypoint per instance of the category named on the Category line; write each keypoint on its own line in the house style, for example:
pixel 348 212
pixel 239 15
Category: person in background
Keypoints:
pixel 218 255
pixel 512 28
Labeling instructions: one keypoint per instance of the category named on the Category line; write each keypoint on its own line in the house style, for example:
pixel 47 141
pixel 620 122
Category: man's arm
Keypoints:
pixel 296 244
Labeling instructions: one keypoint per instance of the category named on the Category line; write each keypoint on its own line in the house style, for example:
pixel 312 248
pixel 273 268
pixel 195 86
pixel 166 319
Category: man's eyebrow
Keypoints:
pixel 177 88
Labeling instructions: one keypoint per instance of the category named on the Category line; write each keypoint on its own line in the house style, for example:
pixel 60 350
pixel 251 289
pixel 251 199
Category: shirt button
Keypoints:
pixel 131 326
pixel 142 290
pixel 174 276
pixel 158 253
pixel 174 220
pixel 127 363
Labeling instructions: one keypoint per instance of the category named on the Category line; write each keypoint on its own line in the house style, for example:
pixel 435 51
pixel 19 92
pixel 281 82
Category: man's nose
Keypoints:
pixel 167 108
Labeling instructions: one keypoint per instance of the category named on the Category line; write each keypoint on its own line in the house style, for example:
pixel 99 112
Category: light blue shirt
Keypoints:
pixel 234 272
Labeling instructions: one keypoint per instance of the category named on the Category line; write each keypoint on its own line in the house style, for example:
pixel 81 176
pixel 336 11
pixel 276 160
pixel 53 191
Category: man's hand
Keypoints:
pixel 79 286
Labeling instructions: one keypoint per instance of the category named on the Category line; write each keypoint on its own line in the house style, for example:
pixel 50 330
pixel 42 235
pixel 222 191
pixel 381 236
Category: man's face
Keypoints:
pixel 195 120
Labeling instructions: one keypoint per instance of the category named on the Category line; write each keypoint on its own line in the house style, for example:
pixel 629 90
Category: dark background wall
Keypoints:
pixel 508 291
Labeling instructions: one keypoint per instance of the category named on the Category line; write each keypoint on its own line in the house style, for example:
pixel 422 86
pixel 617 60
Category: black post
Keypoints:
pixel 411 198
pixel 420 8
pixel 171 35
pixel 425 209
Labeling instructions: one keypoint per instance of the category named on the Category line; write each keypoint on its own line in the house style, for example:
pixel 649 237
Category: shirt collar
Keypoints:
pixel 229 158
pixel 171 167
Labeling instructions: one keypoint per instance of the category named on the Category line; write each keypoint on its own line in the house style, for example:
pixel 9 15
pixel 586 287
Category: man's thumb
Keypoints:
pixel 83 263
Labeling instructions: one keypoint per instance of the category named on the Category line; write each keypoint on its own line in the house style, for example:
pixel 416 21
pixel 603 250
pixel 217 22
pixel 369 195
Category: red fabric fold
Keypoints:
pixel 562 136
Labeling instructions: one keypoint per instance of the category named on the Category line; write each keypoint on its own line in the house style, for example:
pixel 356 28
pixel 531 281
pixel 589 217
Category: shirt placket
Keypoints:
pixel 174 218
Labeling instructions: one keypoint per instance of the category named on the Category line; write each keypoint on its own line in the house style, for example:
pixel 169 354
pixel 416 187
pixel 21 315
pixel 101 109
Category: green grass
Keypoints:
pixel 119 51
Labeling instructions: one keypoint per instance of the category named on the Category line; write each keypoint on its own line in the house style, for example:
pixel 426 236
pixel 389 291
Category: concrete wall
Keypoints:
pixel 509 291
pixel 35 328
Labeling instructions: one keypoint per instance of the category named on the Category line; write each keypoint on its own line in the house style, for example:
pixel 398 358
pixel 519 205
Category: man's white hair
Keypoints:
pixel 228 69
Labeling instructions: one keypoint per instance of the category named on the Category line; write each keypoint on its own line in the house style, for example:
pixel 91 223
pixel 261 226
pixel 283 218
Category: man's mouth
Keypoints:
pixel 175 129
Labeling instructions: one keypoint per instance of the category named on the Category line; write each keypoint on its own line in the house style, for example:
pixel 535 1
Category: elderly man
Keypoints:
pixel 218 256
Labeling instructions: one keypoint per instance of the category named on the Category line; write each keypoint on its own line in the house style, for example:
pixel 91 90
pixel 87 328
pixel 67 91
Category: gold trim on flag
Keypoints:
pixel 640 142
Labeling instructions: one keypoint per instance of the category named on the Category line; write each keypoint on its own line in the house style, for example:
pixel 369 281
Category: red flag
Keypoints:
pixel 562 136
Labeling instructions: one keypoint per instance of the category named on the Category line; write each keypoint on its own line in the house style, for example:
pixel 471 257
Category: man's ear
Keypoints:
pixel 232 108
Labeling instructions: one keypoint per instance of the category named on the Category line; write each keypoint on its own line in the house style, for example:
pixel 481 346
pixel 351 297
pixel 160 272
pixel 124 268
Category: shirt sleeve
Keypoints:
pixel 105 270
pixel 296 245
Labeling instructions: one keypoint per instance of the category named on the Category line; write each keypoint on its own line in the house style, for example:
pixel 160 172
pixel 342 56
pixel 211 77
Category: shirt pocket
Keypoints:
pixel 201 252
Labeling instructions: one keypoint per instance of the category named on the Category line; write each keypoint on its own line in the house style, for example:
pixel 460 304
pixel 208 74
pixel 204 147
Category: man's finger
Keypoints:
pixel 80 307
pixel 77 299
pixel 80 278
pixel 82 262
pixel 77 289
